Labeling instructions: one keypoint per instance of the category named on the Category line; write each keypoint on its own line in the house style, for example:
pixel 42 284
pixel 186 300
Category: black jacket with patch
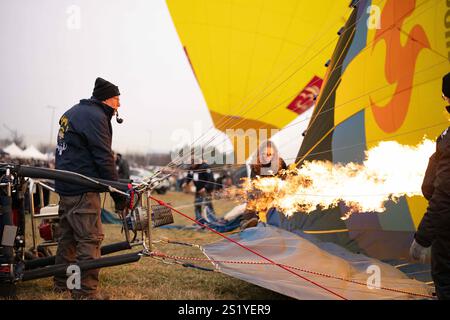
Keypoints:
pixel 84 144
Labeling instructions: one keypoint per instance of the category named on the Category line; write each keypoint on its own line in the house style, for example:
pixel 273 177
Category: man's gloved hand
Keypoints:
pixel 420 253
pixel 120 201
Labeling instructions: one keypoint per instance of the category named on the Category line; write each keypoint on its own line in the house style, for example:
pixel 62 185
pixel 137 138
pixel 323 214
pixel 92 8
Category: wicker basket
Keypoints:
pixel 161 215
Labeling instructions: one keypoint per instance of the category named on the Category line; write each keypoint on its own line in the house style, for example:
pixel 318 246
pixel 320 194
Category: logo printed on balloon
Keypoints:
pixel 400 62
pixel 305 99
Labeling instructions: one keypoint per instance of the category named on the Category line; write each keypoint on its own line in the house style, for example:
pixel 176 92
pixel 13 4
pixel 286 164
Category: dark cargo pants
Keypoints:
pixel 81 236
pixel 199 202
pixel 440 267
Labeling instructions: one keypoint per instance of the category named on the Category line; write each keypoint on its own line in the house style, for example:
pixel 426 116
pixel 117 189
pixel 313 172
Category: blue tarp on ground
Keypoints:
pixel 109 218
pixel 210 219
pixel 315 265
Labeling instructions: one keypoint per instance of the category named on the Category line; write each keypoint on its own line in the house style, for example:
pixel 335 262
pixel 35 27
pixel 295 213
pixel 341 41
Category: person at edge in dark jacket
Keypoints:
pixel 84 146
pixel 432 239
pixel 200 173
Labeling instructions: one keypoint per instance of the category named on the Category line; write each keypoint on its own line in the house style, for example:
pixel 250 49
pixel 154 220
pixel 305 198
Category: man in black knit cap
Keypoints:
pixel 84 146
pixel 433 234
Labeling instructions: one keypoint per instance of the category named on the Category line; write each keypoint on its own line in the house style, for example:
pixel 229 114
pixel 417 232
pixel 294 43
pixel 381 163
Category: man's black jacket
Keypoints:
pixel 84 144
pixel 436 188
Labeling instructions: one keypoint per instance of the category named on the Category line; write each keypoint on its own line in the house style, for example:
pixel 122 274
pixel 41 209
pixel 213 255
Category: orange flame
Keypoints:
pixel 389 171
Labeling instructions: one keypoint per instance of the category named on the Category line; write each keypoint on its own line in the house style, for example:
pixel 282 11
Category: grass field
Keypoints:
pixel 153 279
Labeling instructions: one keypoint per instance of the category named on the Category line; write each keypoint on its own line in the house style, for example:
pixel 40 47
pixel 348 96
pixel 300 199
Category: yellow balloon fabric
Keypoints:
pixel 252 58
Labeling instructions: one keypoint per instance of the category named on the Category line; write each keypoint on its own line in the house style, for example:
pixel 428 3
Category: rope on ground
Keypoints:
pixel 163 259
pixel 180 243
pixel 165 239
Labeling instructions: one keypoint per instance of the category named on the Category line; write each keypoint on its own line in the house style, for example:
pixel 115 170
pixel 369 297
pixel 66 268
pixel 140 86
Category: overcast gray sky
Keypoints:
pixel 47 60
pixel 53 50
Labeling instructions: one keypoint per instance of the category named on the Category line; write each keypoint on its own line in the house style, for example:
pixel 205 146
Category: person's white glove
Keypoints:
pixel 419 253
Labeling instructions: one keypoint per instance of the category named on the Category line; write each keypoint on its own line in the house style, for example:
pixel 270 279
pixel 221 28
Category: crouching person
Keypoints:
pixel 268 164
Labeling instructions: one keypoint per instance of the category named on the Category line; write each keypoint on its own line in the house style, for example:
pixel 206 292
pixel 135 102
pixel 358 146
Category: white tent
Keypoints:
pixel 14 151
pixel 50 155
pixel 32 153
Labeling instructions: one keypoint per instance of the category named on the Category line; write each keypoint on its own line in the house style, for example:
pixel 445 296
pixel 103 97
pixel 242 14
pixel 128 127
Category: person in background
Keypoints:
pixel 123 168
pixel 180 181
pixel 432 239
pixel 268 163
pixel 223 181
pixel 200 174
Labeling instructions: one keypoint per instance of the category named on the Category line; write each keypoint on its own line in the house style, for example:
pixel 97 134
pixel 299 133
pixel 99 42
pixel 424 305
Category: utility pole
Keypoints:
pixel 149 146
pixel 51 124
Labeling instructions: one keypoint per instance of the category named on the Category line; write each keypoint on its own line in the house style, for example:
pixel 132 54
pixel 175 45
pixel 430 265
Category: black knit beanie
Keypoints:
pixel 446 85
pixel 104 90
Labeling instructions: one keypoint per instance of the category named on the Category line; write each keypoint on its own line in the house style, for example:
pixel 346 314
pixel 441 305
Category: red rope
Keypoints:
pixel 248 249
pixel 163 255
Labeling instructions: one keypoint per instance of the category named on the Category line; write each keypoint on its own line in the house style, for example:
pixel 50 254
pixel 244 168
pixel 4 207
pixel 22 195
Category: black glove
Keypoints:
pixel 120 201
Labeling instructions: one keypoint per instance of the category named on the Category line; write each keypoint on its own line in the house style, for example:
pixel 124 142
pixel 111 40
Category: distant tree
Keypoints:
pixel 46 148
pixel 186 153
pixel 15 137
